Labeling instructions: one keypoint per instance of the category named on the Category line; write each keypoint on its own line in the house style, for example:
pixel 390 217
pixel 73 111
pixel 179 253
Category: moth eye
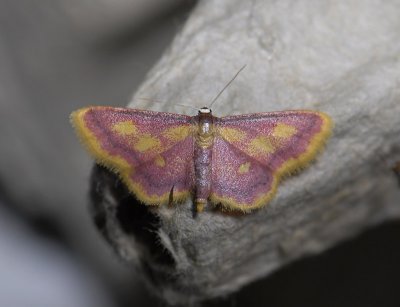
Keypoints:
pixel 205 110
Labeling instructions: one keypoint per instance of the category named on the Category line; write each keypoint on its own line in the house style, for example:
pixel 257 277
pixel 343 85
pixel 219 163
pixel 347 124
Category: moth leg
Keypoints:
pixel 200 203
pixel 171 197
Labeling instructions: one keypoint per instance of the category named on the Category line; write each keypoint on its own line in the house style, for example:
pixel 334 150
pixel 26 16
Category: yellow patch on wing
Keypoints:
pixel 177 134
pixel 125 128
pixel 244 168
pixel 282 130
pixel 261 145
pixel 315 145
pixel 118 164
pixel 146 142
pixel 159 161
pixel 232 135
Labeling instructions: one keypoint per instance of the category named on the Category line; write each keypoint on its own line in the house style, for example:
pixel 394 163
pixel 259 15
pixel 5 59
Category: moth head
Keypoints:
pixel 204 110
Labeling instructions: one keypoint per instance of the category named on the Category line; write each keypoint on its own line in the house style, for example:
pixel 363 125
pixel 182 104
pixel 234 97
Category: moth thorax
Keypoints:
pixel 205 134
pixel 205 128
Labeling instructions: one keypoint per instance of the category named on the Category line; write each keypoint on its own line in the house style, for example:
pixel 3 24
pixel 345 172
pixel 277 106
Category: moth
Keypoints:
pixel 235 161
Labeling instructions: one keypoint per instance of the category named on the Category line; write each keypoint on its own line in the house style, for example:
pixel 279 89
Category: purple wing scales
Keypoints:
pixel 238 180
pixel 264 147
pixel 151 151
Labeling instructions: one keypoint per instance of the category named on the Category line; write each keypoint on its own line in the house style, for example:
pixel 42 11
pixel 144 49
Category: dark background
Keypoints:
pixel 59 55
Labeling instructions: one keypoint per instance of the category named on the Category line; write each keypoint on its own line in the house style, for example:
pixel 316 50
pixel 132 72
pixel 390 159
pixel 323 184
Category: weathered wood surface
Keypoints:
pixel 338 57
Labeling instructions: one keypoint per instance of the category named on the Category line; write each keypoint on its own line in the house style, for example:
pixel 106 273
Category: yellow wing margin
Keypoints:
pixel 117 164
pixel 289 167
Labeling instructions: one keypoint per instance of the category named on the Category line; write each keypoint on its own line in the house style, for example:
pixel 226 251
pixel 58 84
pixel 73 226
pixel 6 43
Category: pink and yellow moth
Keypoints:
pixel 233 161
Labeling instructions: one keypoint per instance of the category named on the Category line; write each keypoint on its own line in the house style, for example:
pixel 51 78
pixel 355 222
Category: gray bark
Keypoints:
pixel 340 57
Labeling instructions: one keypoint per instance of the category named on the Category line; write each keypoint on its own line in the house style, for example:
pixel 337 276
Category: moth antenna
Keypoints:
pixel 175 104
pixel 186 105
pixel 151 100
pixel 229 83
